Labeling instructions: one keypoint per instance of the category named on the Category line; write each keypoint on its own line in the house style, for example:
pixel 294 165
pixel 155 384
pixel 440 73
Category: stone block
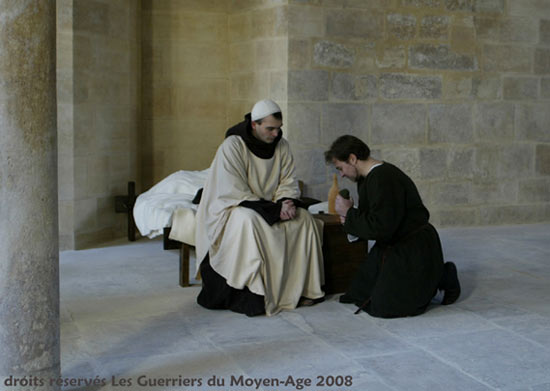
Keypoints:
pixel 392 57
pixel 486 86
pixel 544 32
pixel 366 58
pixel 520 88
pixel 206 60
pixel 463 40
pixel 366 4
pixel 494 121
pixel 542 61
pixel 486 157
pixel 344 118
pixel 533 122
pixel 272 54
pixel 515 161
pixel 299 53
pixel 65 92
pixel 521 30
pixel 403 86
pixel 65 129
pixel 202 98
pixel 451 194
pixel 190 26
pixel 545 88
pixel 351 23
pixel 487 28
pixel 534 190
pixel 319 192
pixel 242 5
pixel 279 85
pixel 91 16
pixel 310 2
pixel 119 20
pixel 65 174
pixel 398 123
pixel 489 6
pixel 308 85
pixel 310 166
pixel 332 54
pixel 433 163
pixel 66 217
pixel 303 123
pixel 542 159
pixel 64 10
pixel 512 214
pixel 85 216
pixel 401 26
pixel 240 27
pixel 460 163
pixel 159 101
pixel 460 5
pixel 346 86
pixel 270 22
pixel 407 159
pixel 493 192
pixel 434 27
pixel 250 87
pixel 426 56
pixel 84 240
pixel 306 22
pixel 457 87
pixel 450 123
pixel 189 5
pixel 105 211
pixel 242 57
pixel 455 217
pixel 533 8
pixel 422 3
pixel 507 58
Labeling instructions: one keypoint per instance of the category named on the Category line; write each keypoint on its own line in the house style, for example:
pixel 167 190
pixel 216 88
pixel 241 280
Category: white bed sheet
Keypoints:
pixel 154 209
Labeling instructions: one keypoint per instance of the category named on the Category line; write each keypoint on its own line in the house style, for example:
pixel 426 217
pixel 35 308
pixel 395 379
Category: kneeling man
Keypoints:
pixel 260 252
pixel 405 268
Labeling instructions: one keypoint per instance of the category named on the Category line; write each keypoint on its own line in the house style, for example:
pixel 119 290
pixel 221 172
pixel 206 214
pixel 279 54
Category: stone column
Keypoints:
pixel 29 256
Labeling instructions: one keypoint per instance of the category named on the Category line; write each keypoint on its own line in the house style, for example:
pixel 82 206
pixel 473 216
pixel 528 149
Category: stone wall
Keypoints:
pixel 184 83
pixel 455 92
pixel 258 55
pixel 98 115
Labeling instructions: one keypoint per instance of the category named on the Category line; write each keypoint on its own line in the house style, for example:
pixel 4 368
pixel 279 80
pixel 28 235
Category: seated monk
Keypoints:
pixel 260 252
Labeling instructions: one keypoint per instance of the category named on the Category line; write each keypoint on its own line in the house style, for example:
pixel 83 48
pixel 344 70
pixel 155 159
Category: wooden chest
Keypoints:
pixel 341 257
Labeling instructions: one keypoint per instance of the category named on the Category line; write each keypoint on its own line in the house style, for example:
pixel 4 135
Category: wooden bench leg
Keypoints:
pixel 184 264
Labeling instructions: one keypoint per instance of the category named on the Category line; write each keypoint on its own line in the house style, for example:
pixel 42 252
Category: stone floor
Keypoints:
pixel 124 315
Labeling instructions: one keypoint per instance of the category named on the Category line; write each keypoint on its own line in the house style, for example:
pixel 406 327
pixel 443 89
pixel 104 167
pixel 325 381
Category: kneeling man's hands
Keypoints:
pixel 342 206
pixel 288 210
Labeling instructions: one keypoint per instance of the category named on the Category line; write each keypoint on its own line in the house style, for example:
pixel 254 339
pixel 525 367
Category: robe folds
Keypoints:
pixel 400 275
pixel 281 262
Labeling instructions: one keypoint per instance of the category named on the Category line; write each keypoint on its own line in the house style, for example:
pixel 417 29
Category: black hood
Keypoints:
pixel 257 147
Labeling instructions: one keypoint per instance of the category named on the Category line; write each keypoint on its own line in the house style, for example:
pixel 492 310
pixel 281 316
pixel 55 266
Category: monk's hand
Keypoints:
pixel 342 206
pixel 288 210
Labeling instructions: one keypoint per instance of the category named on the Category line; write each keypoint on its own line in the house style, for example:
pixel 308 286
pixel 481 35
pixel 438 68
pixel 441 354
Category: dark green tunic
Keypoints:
pixel 400 275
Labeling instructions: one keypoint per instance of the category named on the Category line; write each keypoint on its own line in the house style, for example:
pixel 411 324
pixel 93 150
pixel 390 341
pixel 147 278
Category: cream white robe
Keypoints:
pixel 281 262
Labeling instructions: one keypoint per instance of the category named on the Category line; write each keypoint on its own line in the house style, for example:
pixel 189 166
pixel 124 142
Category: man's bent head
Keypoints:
pixel 344 154
pixel 344 146
pixel 267 120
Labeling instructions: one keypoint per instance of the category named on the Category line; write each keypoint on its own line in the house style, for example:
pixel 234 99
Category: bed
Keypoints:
pixel 155 210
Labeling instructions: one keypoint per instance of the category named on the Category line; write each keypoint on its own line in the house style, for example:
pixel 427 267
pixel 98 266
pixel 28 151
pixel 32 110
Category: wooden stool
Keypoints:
pixel 341 257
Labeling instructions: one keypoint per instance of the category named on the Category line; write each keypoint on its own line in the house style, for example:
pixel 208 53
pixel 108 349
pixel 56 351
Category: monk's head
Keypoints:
pixel 267 120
